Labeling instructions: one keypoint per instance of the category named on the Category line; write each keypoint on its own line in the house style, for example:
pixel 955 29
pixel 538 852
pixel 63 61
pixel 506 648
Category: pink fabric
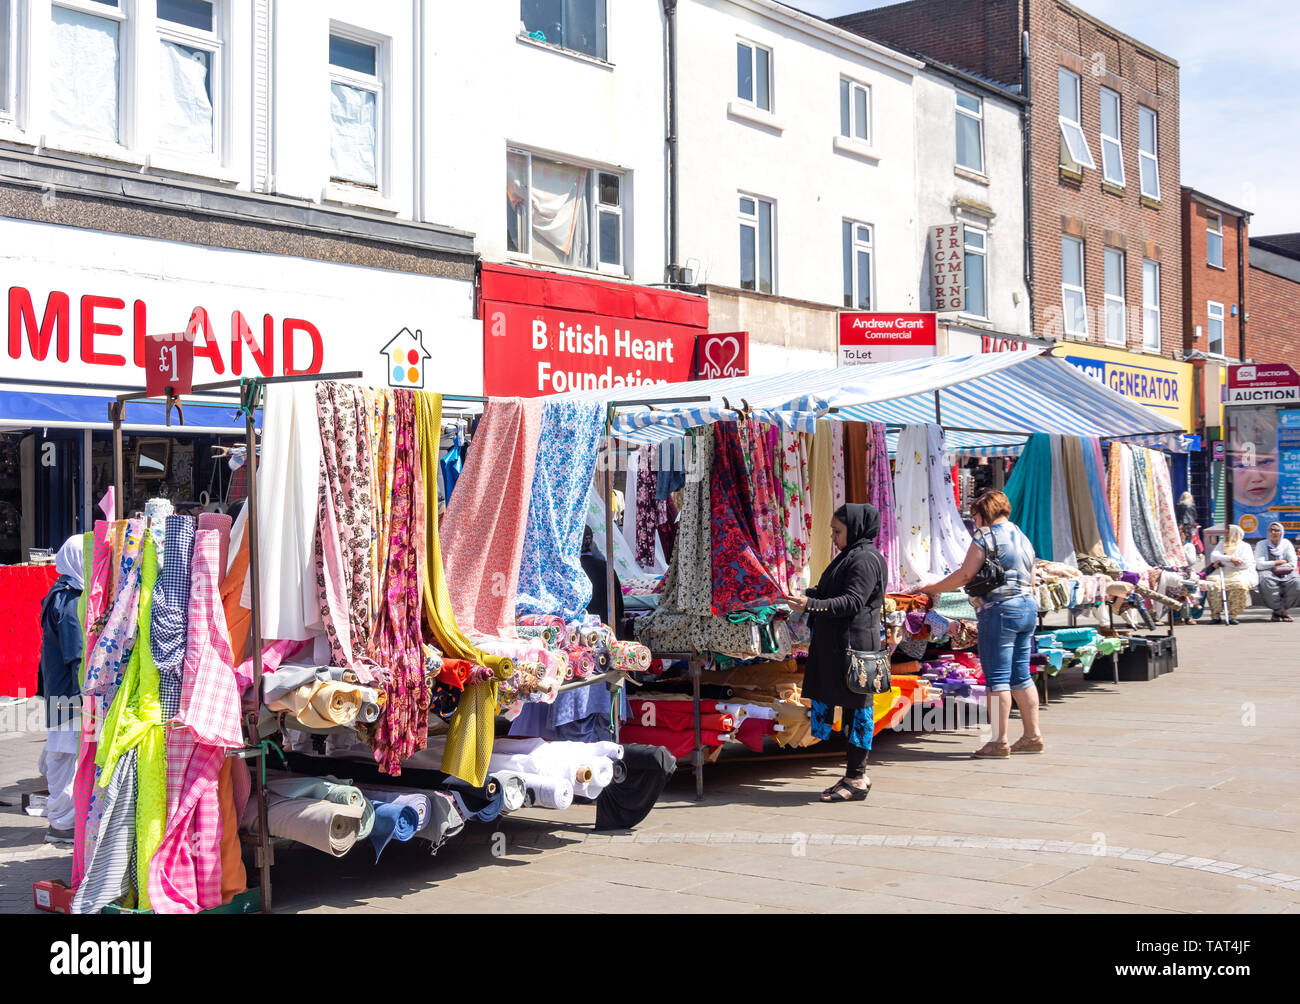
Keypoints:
pixel 221 523
pixel 483 533
pixel 272 655
pixel 185 873
pixel 209 694
pixel 83 785
pixel 880 493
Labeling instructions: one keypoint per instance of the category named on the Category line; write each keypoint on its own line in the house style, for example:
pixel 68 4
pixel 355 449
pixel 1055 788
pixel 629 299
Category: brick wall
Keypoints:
pixel 1105 217
pixel 1273 330
pixel 1203 282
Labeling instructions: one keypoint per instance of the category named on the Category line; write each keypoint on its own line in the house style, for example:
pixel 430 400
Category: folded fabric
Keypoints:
pixel 679 744
pixel 323 705
pixel 393 821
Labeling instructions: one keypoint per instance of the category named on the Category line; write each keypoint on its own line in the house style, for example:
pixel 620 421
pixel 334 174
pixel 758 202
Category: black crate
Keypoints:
pixel 1148 656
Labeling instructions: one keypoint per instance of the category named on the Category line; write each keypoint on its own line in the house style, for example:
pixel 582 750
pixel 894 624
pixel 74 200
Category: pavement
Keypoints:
pixel 1181 794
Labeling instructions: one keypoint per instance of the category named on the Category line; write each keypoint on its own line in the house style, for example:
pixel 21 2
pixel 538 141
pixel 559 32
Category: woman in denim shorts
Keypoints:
pixel 1007 619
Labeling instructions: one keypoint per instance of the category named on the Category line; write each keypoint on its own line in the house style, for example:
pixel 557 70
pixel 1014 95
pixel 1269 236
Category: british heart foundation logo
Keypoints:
pixel 405 355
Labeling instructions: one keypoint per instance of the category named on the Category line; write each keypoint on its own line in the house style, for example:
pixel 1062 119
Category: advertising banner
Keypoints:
pixel 881 337
pixel 1264 458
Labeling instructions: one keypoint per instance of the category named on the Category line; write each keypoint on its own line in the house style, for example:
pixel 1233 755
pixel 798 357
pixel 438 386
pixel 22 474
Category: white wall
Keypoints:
pixel 814 186
pixel 945 194
pixel 487 89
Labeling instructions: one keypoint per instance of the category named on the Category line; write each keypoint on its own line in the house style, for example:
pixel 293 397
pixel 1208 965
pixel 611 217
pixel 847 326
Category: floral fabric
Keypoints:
pixel 742 575
pixel 83 787
pixel 1163 503
pixel 759 445
pixel 382 422
pixel 1145 533
pixel 839 480
pixel 551 578
pixel 796 498
pixel 932 537
pixel 880 493
pixel 647 514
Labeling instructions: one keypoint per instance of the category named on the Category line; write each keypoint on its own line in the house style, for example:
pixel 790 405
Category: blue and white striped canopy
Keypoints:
pixel 986 402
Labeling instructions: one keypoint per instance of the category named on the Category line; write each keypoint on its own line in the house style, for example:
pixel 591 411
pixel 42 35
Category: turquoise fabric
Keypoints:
pixel 1030 491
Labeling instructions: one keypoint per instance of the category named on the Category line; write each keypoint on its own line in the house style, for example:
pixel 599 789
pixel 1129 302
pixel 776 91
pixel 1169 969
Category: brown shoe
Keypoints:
pixel 993 751
pixel 1026 745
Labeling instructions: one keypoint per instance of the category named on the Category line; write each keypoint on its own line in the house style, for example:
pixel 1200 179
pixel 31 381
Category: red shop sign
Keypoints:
pixel 722 354
pixel 168 364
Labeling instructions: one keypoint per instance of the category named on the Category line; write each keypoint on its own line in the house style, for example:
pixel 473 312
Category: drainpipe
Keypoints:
pixel 671 272
pixel 1241 290
pixel 1028 173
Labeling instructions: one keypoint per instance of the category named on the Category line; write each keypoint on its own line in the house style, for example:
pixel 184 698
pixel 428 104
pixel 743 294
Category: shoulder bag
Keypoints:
pixel 991 575
pixel 868 672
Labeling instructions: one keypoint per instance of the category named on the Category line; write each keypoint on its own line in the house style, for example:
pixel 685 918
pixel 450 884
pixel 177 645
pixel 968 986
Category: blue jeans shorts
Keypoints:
pixel 1006 633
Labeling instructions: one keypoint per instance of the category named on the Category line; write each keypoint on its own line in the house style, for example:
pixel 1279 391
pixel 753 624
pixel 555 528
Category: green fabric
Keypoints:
pixel 135 721
pixel 1029 490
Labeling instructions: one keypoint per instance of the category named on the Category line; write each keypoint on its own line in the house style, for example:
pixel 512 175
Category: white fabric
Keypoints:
pixel 184 109
pixel 287 493
pixel 1247 574
pixel 352 134
pixel 83 74
pixel 932 537
pixel 559 213
pixel 1133 560
pixel 624 557
pixel 1062 527
pixel 60 769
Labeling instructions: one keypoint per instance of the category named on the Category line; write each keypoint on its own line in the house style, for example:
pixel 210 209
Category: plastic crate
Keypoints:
pixel 52 895
pixel 1148 656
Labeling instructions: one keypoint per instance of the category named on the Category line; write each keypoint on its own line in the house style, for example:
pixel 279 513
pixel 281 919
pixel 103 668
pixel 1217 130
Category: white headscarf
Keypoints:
pixel 71 559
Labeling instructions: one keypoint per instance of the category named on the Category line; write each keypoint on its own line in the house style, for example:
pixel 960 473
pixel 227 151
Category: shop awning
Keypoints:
pixel 26 408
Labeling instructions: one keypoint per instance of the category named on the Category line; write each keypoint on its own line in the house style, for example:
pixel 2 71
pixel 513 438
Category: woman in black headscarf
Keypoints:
pixel 845 606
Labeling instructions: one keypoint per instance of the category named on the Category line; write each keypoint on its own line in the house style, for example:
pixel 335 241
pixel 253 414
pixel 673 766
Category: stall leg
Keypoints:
pixel 698 755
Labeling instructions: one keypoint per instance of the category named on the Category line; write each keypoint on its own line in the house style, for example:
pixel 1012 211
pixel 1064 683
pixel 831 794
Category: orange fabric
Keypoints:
pixel 233 878
pixel 238 618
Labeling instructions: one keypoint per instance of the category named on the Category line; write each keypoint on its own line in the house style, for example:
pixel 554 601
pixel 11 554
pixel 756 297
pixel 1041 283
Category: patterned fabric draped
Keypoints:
pixel 666 525
pixel 758 443
pixel 880 493
pixel 932 538
pixel 742 577
pixel 83 789
pixel 647 514
pixel 1096 468
pixel 396 645
pixel 839 485
pixel 796 498
pixel 345 535
pixel 1163 503
pixel 1121 506
pixel 383 449
pixel 551 579
pixel 170 617
pixel 1145 533
pixel 483 532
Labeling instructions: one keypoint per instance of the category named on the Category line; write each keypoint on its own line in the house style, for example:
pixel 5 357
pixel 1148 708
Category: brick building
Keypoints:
pixel 1273 327
pixel 1102 140
pixel 1215 252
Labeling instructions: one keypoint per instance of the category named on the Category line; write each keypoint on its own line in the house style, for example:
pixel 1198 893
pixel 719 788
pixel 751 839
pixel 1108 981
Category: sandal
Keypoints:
pixel 842 791
pixel 993 751
pixel 1026 745
pixel 1286 618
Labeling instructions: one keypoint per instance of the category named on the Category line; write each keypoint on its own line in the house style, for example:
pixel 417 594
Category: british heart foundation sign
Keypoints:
pixel 722 355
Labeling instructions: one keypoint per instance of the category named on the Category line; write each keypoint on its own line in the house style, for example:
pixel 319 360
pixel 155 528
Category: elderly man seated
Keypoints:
pixel 1279 585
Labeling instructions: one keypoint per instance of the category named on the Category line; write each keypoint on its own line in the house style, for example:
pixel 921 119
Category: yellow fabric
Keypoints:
pixel 470 733
pixel 820 467
pixel 135 719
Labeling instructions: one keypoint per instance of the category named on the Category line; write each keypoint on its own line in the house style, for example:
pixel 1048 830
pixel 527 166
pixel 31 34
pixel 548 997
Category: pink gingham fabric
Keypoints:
pixel 185 872
pixel 209 693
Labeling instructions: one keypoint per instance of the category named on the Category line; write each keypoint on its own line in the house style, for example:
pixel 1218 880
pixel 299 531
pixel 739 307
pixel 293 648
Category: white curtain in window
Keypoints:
pixel 83 73
pixel 561 213
pixel 184 109
pixel 354 134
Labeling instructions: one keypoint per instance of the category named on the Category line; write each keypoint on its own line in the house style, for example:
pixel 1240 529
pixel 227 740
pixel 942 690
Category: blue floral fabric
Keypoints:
pixel 857 724
pixel 551 579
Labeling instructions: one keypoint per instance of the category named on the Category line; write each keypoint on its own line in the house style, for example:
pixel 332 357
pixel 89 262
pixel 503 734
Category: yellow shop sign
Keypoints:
pixel 1163 385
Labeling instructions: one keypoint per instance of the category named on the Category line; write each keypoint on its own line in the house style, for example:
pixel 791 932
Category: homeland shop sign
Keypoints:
pixel 1262 383
pixel 880 337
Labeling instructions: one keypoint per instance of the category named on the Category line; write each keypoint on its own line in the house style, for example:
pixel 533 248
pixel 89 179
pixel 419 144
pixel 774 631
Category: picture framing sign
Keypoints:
pixel 948 267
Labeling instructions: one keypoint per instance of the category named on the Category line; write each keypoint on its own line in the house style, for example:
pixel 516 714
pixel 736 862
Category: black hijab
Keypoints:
pixel 863 524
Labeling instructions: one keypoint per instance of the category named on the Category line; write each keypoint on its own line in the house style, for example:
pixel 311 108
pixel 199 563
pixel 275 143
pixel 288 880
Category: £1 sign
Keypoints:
pixel 168 363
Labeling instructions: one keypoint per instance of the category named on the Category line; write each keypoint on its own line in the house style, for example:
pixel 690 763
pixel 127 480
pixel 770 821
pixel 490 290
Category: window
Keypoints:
pixel 1115 307
pixel 356 95
pixel 190 50
pixel 85 68
pixel 1074 144
pixel 571 24
pixel 1112 150
pixel 1214 240
pixel 1151 305
pixel 855 110
pixel 1073 301
pixel 1214 319
pixel 756 244
pixel 754 75
pixel 857 265
pixel 976 246
pixel 1148 158
pixel 8 69
pixel 565 214
pixel 970 132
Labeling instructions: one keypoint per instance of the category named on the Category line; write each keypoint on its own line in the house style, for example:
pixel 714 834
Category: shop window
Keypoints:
pixel 1148 154
pixel 8 57
pixel 1115 304
pixel 1214 240
pixel 1214 323
pixel 189 76
pixel 1151 305
pixel 579 25
pixel 1073 299
pixel 970 132
pixel 855 110
pixel 857 265
pixel 975 242
pixel 85 67
pixel 756 244
pixel 1112 149
pixel 754 75
pixel 565 214
pixel 356 110
pixel 1074 144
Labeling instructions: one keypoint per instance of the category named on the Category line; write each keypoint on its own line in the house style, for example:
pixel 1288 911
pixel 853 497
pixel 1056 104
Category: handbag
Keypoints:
pixel 869 672
pixel 991 575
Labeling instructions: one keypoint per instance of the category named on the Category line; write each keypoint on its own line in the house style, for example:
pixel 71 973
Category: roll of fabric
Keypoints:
pixel 612 751
pixel 549 792
pixel 221 523
pixel 324 790
pixel 548 635
pixel 393 821
pixel 419 801
pixel 320 705
pixel 329 827
pixel 514 791
pixel 156 512
pixel 629 656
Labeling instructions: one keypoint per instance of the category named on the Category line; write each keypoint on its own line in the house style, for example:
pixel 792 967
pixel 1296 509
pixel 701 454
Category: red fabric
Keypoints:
pixel 742 540
pixel 679 744
pixel 456 672
pixel 752 731
pixel 23 588
pixel 637 704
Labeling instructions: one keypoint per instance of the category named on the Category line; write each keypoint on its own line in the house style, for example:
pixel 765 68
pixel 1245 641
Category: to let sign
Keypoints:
pixel 948 267
pixel 168 363
pixel 880 337
pixel 1263 383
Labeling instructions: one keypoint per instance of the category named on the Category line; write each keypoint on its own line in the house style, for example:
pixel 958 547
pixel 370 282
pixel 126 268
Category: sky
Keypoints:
pixel 1240 113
